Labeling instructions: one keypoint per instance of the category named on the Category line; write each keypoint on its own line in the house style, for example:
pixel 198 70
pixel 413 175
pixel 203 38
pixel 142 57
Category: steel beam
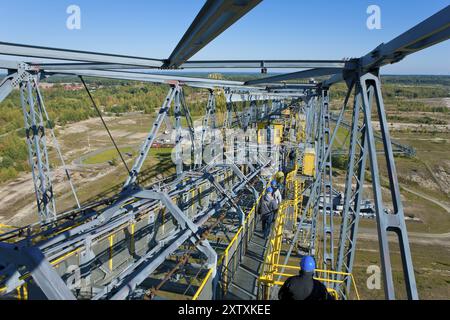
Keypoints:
pixel 386 221
pixel 255 64
pixel 353 194
pixel 178 133
pixel 327 191
pixel 145 148
pixel 214 18
pixel 13 49
pixel 431 31
pixel 317 72
pixel 148 77
pixel 40 269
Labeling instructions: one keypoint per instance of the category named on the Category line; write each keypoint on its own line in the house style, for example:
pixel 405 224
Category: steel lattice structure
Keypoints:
pixel 137 210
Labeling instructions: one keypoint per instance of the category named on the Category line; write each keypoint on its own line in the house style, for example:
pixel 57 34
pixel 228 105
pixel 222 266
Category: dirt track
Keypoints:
pixel 442 239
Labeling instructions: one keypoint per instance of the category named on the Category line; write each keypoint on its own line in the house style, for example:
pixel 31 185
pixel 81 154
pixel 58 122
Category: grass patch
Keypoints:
pixel 111 154
pixel 107 155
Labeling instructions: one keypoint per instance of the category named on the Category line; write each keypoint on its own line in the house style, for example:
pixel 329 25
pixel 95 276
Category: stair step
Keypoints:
pixel 252 264
pixel 258 245
pixel 250 272
pixel 249 295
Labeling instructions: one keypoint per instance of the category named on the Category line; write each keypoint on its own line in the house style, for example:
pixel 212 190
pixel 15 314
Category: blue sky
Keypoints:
pixel 275 29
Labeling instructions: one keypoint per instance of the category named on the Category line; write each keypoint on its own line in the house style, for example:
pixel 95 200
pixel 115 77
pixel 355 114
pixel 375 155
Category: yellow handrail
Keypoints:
pixel 202 285
pixel 225 254
pixel 326 280
pixel 5 226
pixel 271 266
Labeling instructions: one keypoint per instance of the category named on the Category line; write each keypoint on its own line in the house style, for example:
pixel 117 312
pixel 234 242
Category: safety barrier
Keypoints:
pixel 274 249
pixel 4 227
pixel 231 257
pixel 207 282
pixel 287 208
pixel 329 280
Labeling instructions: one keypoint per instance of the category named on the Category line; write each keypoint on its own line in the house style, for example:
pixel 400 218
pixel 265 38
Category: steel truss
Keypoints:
pixel 363 145
pixel 32 107
pixel 31 251
pixel 83 236
pixel 93 225
pixel 327 186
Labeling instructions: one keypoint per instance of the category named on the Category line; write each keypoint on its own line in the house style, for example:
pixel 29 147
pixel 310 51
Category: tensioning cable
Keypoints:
pixel 104 124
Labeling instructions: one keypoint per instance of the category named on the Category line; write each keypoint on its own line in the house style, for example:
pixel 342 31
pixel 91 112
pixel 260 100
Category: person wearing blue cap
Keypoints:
pixel 267 210
pixel 304 286
pixel 276 192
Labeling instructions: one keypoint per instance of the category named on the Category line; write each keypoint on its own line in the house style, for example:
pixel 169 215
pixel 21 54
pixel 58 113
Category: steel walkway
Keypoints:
pixel 245 282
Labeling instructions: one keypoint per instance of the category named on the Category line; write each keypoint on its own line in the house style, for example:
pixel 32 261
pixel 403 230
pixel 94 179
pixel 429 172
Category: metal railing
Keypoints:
pixel 273 272
pixel 287 209
pixel 231 257
pixel 328 280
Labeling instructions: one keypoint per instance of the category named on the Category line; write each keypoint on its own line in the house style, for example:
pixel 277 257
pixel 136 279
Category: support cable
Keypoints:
pixel 104 124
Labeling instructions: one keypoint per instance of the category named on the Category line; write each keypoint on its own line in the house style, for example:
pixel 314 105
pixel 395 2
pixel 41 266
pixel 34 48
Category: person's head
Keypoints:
pixel 307 264
pixel 274 184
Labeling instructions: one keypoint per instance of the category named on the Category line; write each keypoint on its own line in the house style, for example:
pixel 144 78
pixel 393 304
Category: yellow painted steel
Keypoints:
pixel 327 280
pixel 274 246
pixel 202 285
pixel 271 266
pixel 111 252
pixel 273 251
pixel 4 226
pixel 297 196
pixel 200 191
pixel 64 257
pixel 262 136
pixel 132 246
pixel 22 292
pixel 333 293
pixel 277 134
pixel 309 162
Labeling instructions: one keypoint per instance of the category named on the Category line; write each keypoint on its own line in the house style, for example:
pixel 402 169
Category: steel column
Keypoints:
pixel 37 148
pixel 146 146
pixel 327 191
pixel 353 193
pixel 386 221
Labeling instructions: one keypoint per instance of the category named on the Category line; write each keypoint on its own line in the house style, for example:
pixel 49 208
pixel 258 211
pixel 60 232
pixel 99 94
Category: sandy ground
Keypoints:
pixel 17 199
pixel 400 126
pixel 442 239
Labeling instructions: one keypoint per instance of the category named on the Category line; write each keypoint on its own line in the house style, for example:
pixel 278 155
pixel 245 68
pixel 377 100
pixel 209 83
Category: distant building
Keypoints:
pixel 72 86
pixel 46 85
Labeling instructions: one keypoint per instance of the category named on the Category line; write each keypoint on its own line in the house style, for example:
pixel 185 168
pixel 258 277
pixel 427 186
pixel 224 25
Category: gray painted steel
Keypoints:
pixel 215 17
pixel 87 227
